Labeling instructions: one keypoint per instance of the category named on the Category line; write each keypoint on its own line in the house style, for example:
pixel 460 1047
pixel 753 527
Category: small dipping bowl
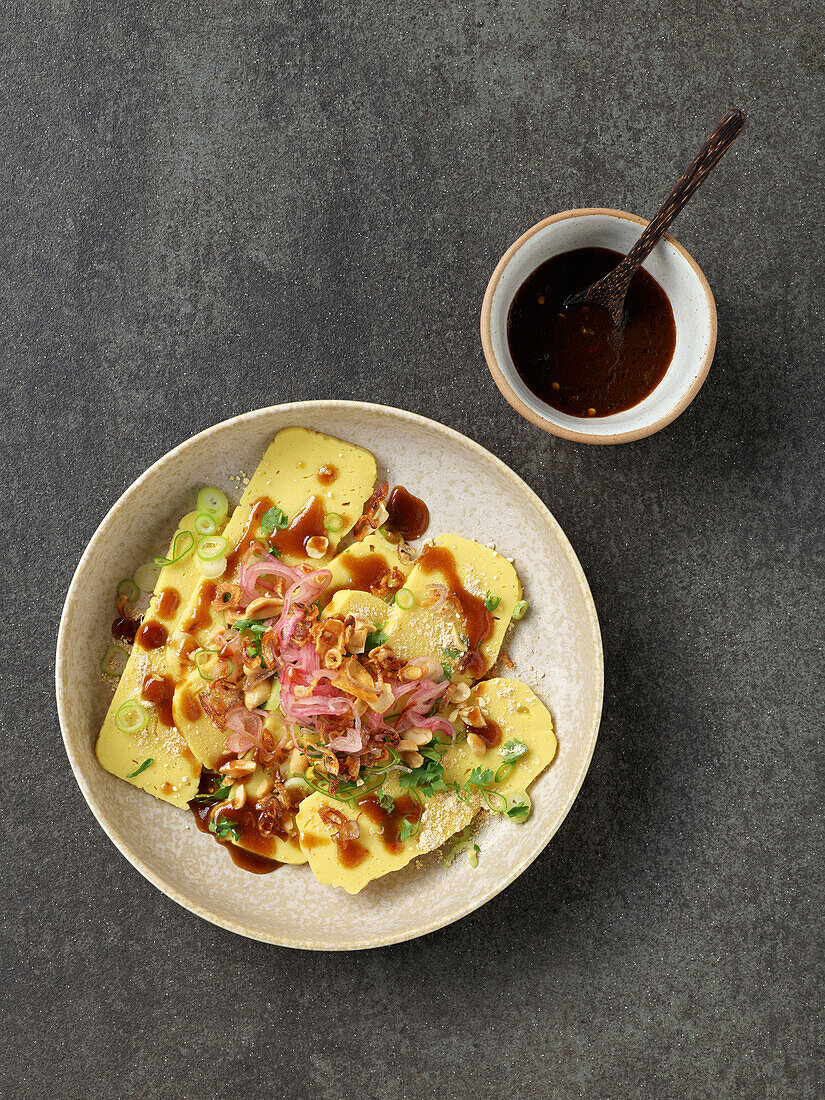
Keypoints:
pixel 678 274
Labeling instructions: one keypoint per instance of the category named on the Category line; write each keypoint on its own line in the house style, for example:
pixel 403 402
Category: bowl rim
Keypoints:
pixel 503 384
pixel 122 843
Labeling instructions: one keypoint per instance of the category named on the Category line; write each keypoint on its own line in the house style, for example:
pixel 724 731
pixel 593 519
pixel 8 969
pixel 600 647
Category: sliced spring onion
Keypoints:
pixel 146 764
pixel 405 599
pixel 504 771
pixel 468 846
pixel 114 661
pixel 212 547
pixel 519 806
pixel 129 589
pixel 202 659
pixel 181 546
pixel 146 576
pixel 333 521
pixel 131 718
pixel 495 801
pixel 213 501
pixel 520 610
pixel 211 569
pixel 205 524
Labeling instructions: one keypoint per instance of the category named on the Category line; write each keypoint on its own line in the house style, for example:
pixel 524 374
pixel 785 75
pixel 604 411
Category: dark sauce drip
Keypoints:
pixel 189 705
pixel 159 690
pixel 254 862
pixel 389 822
pixel 367 573
pixel 574 359
pixel 327 474
pixel 408 515
pixel 167 603
pixel 350 852
pixel 303 526
pixel 125 628
pixel 200 617
pixel 478 620
pixel 263 504
pixel 151 635
pixel 490 733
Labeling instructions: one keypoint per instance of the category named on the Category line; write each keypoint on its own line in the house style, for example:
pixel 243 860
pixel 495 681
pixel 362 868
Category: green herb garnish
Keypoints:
pixel 146 764
pixel 386 802
pixel 428 779
pixel 181 546
pixel 453 653
pixel 492 602
pixel 375 639
pixel 224 828
pixel 408 829
pixel 520 810
pixel 512 750
pixel 480 777
pixel 447 670
pixel 215 796
pixel 254 626
pixel 274 518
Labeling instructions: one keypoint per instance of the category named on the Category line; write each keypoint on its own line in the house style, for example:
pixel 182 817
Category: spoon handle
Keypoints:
pixel 723 136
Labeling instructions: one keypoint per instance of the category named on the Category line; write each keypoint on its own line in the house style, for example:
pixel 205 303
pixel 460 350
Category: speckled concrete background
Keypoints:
pixel 211 207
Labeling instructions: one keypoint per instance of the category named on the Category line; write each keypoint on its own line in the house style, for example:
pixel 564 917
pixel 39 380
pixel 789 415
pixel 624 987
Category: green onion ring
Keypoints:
pixel 146 576
pixel 213 501
pixel 494 801
pixel 504 771
pixel 129 589
pixel 405 599
pixel 181 546
pixel 520 610
pixel 205 524
pixel 114 661
pixel 212 547
pixel 131 718
pixel 333 521
pixel 211 570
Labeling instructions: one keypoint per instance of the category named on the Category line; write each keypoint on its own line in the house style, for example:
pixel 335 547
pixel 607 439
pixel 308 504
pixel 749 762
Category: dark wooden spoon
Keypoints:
pixel 609 292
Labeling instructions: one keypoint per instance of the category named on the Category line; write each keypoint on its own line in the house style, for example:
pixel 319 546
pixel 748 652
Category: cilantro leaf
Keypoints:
pixel 146 764
pixel 274 518
pixel 386 802
pixel 519 811
pixel 480 777
pixel 224 828
pixel 449 652
pixel 447 670
pixel 408 829
pixel 428 779
pixel 254 626
pixel 215 796
pixel 512 750
pixel 492 602
pixel 375 639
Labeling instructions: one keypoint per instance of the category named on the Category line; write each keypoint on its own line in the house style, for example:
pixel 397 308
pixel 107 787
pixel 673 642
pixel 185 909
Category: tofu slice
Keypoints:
pixel 363 605
pixel 293 474
pixel 474 573
pixel 174 774
pixel 521 716
pixel 370 857
pixel 362 565
pixel 206 741
pixel 285 850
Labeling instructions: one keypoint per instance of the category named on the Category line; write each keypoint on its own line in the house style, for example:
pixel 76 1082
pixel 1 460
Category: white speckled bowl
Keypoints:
pixel 557 649
pixel 681 278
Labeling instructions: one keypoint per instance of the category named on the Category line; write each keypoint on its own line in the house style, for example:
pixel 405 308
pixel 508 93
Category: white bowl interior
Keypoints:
pixel 671 269
pixel 557 649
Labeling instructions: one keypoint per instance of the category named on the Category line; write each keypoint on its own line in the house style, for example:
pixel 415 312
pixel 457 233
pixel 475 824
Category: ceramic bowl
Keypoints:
pixel 557 650
pixel 694 312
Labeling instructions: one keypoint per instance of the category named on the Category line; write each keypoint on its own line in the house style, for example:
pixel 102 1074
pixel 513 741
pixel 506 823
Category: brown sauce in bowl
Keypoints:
pixel 574 359
pixel 408 516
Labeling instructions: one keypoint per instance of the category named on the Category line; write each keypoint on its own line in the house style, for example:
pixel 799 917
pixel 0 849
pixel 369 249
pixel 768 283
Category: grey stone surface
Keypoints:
pixel 211 207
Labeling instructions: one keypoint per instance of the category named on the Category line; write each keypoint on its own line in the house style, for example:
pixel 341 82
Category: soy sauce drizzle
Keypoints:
pixel 408 515
pixel 478 621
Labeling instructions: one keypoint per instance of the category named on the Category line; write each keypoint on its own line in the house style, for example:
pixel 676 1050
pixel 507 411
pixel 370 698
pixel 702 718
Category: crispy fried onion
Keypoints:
pixel 374 514
pixel 339 825
pixel 389 581
pixel 335 637
pixel 353 679
pixel 228 597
